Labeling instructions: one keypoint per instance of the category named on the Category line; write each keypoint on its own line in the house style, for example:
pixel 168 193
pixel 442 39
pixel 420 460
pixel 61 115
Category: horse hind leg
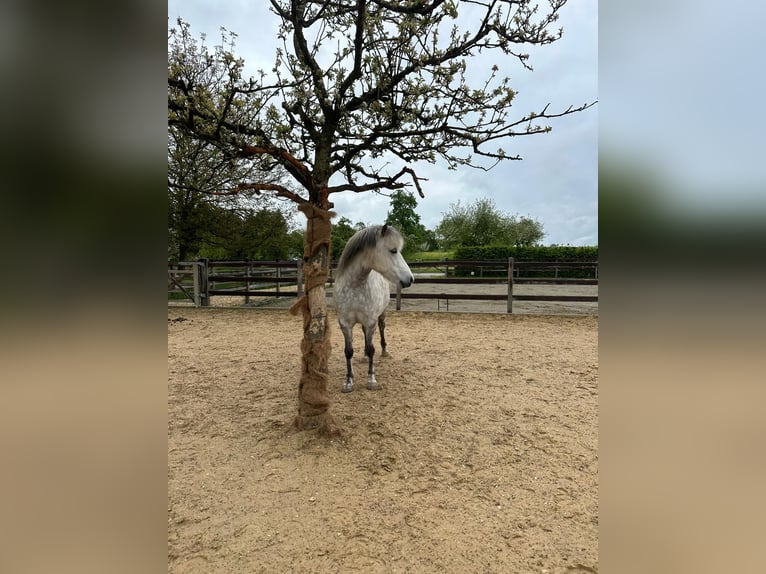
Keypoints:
pixel 348 337
pixel 382 328
pixel 369 350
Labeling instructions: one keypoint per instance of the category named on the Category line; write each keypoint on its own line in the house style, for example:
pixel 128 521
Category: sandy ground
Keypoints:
pixel 479 454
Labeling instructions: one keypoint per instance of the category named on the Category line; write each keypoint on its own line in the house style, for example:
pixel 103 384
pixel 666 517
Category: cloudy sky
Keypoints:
pixel 555 183
pixel 687 105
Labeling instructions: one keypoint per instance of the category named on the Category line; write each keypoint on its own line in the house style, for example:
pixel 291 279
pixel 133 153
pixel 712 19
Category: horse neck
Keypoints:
pixel 356 271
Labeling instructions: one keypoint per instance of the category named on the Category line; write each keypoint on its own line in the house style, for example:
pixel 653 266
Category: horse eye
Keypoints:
pixel 393 251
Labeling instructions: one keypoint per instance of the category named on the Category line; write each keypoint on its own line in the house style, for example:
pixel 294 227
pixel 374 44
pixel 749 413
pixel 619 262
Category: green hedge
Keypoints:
pixel 539 253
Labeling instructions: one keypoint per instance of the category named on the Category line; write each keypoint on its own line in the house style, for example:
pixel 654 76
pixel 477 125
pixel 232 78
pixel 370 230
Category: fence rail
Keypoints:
pixel 199 280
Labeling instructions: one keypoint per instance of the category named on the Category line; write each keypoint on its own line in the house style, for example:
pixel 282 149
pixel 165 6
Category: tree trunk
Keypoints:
pixel 313 397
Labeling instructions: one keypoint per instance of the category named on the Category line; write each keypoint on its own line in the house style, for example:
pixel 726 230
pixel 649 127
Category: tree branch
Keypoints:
pixel 281 191
pixel 304 55
pixel 420 8
pixel 356 72
pixel 385 182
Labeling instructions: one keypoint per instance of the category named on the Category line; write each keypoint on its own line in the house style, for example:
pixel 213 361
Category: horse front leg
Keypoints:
pixel 369 350
pixel 348 337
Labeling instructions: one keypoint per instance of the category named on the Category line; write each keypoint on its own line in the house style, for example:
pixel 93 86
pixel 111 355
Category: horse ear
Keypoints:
pixel 383 229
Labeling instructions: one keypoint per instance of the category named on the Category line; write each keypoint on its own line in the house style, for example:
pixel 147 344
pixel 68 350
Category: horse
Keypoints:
pixel 370 261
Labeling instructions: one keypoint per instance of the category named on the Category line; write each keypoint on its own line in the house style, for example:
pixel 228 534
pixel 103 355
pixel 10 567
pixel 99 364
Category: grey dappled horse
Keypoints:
pixel 371 259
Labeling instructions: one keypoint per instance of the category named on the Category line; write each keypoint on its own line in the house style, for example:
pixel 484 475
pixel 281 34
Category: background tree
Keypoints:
pixel 525 232
pixel 194 174
pixel 481 223
pixel 402 215
pixel 390 79
pixel 431 241
pixel 261 234
pixel 341 233
pixel 295 244
pixel 205 207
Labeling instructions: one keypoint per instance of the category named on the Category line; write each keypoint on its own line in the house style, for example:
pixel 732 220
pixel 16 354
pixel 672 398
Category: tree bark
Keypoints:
pixel 313 396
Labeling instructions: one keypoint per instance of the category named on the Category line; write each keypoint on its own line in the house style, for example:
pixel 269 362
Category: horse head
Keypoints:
pixel 387 257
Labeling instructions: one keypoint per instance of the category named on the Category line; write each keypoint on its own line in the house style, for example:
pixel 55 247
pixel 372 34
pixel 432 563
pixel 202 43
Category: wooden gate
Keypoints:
pixel 190 279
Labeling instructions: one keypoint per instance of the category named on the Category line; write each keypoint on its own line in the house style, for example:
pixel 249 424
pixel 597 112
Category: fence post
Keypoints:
pixel 247 282
pixel 279 275
pixel 204 284
pixel 299 279
pixel 399 297
pixel 509 308
pixel 195 267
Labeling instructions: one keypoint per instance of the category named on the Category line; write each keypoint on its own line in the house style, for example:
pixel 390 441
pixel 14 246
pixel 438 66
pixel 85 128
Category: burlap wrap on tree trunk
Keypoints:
pixel 316 269
pixel 313 398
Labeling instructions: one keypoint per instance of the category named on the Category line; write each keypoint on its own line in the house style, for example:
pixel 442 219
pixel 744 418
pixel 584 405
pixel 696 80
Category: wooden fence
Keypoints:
pixel 189 279
pixel 200 280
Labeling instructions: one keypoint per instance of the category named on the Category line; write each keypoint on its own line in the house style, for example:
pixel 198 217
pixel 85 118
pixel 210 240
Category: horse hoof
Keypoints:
pixel 385 353
pixel 347 387
pixel 373 385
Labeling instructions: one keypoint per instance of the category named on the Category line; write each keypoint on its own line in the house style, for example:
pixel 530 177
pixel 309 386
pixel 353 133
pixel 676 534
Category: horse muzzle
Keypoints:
pixel 408 282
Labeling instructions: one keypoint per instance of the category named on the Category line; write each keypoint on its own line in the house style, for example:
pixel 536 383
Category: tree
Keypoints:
pixel 261 234
pixel 481 223
pixel 526 232
pixel 389 83
pixel 193 172
pixel 342 232
pixel 204 206
pixel 295 244
pixel 199 219
pixel 402 215
pixel 430 241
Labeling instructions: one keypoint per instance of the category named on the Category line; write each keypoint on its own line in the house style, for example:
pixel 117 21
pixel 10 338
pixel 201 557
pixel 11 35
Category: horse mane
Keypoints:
pixel 359 242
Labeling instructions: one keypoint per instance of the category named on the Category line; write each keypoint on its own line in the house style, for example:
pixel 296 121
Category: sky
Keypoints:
pixel 556 183
pixel 687 105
